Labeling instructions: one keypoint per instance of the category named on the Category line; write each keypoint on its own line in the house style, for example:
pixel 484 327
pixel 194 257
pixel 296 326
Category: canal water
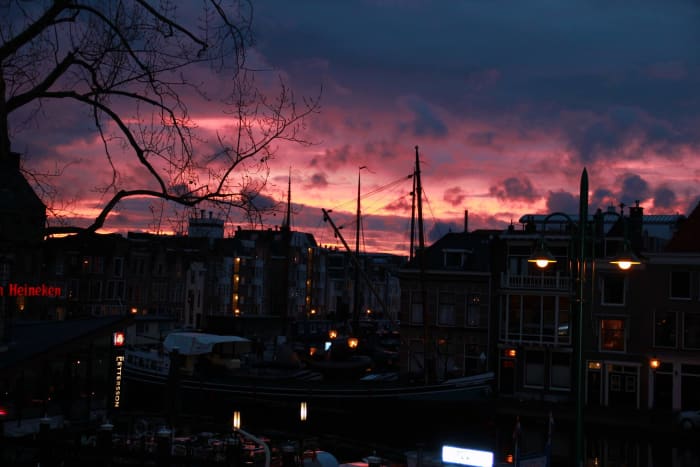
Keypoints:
pixel 390 432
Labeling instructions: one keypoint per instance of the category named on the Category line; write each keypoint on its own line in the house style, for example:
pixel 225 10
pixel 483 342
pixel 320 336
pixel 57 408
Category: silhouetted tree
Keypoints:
pixel 132 64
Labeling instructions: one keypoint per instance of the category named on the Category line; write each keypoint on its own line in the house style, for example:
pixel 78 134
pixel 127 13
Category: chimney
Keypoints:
pixel 636 226
pixel 466 221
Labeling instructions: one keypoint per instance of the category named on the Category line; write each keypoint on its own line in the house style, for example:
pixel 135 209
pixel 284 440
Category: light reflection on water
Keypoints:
pixel 401 433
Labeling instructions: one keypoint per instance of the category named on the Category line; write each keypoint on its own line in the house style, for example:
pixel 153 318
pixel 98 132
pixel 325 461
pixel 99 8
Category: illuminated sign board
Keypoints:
pixel 118 366
pixel 26 290
pixel 118 339
pixel 470 457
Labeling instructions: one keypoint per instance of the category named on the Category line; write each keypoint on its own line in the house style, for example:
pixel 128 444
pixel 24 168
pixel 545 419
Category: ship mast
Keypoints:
pixel 356 288
pixel 428 362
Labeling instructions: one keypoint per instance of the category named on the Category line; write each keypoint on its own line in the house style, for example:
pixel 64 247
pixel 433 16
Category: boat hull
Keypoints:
pixel 294 389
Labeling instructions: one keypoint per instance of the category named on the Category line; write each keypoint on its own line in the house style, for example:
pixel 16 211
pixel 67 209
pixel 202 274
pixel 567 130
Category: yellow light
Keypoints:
pixel 236 420
pixel 134 310
pixel 594 365
pixel 624 265
pixel 332 333
pixel 541 257
pixel 626 260
pixel 303 411
pixel 654 363
pixel 512 353
pixel 352 342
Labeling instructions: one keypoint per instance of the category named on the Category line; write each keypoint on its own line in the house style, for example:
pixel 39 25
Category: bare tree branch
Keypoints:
pixel 135 68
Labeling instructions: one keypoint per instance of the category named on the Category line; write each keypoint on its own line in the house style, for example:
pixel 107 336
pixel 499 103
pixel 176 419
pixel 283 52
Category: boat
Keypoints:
pixel 226 366
pixel 222 367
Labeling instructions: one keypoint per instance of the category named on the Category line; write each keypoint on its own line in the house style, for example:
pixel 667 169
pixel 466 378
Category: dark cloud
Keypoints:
pixel 455 196
pixel 380 149
pixel 634 188
pixel 515 188
pixel 333 159
pixel 664 198
pixel 317 180
pixel 602 199
pixel 440 228
pixel 426 122
pixel 562 201
pixel 400 205
pixel 482 138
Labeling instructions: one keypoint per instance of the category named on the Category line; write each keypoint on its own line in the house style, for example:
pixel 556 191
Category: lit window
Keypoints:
pixel 612 334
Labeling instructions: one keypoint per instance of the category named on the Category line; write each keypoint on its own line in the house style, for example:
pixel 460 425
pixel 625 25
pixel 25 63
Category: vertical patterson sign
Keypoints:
pixel 118 341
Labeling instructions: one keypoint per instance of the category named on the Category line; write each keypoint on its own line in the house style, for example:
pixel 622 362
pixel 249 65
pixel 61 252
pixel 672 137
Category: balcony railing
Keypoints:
pixel 539 282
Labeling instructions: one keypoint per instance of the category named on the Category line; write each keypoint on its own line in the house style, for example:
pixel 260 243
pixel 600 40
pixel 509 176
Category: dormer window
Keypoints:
pixel 454 259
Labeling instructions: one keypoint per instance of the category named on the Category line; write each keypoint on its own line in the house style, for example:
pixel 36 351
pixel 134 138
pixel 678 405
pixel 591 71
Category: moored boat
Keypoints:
pixel 222 365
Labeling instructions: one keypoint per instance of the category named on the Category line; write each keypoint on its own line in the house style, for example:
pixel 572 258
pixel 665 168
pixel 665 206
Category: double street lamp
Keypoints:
pixel 583 236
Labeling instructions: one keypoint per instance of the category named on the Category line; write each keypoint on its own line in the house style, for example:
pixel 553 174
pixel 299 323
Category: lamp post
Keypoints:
pixel 542 258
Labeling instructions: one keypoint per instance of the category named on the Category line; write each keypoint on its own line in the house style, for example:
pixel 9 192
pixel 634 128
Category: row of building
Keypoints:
pixel 470 303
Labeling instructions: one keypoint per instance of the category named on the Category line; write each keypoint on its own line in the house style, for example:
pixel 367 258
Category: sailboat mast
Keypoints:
pixel 288 218
pixel 356 288
pixel 420 253
pixel 412 250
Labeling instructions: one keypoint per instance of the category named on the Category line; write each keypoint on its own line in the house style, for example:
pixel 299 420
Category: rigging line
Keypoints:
pixel 373 192
pixel 436 224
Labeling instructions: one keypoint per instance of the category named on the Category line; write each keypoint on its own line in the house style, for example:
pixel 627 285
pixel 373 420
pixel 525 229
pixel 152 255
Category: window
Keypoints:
pixel 532 317
pixel 514 316
pixel 612 335
pixel 613 290
pixel 95 292
pixel 563 326
pixel 473 310
pixel 453 259
pixel 446 310
pixel 115 290
pixel 548 318
pixel 680 285
pixel 561 370
pixel 534 368
pixel 665 329
pixel 691 331
pixel 117 267
pixel 416 308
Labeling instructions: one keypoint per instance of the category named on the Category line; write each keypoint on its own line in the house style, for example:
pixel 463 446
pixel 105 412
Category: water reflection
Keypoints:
pixel 604 446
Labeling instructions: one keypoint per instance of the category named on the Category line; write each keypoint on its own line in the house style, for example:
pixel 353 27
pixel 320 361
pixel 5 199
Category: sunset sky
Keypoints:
pixel 507 101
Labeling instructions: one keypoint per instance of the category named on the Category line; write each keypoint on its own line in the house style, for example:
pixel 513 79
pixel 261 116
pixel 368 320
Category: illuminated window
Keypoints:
pixel 612 334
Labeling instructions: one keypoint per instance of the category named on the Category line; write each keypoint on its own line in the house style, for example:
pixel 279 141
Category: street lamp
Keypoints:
pixel 542 258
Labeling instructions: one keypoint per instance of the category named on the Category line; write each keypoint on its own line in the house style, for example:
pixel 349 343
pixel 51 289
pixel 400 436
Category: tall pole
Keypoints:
pixel 581 271
pixel 428 366
pixel 356 289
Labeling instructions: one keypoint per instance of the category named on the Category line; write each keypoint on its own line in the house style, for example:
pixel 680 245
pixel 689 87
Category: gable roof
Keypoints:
pixel 687 237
